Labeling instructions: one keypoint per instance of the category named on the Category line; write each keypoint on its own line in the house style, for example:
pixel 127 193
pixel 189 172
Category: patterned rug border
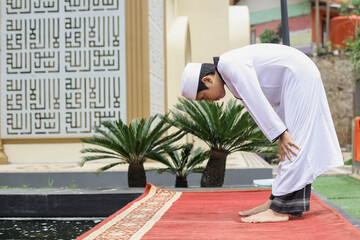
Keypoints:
pixel 165 198
pixel 108 219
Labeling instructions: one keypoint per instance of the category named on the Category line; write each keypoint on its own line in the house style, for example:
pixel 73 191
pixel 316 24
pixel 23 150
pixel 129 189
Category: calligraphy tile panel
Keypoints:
pixel 62 66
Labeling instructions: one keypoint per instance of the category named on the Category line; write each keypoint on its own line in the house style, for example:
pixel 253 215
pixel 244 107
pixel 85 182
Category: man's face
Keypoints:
pixel 215 89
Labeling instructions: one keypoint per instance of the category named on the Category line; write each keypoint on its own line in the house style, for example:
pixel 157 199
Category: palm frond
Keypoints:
pixel 112 132
pixel 198 156
pixel 102 169
pixel 225 129
pixel 183 161
pixel 197 170
pixel 98 150
pixel 161 158
pixel 165 170
pixel 107 144
pixel 134 142
pixel 168 140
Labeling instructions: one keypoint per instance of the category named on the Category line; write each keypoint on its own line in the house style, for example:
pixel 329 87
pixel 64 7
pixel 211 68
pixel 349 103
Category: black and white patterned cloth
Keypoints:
pixel 294 203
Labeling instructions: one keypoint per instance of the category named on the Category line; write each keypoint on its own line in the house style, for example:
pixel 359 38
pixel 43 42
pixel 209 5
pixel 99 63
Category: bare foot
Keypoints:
pixel 267 216
pixel 257 209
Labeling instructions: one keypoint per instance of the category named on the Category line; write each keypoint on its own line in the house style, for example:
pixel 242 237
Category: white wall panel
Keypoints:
pixel 62 66
pixel 157 56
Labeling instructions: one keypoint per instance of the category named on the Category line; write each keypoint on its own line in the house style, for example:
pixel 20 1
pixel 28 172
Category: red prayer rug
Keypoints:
pixel 161 214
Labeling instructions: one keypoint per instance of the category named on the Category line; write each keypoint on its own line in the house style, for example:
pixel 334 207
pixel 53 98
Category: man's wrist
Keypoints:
pixel 279 136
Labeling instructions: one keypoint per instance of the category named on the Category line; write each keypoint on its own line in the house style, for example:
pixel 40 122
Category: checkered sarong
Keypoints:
pixel 294 203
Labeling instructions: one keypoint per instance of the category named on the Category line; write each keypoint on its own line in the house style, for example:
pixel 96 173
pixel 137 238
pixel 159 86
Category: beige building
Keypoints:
pixel 67 66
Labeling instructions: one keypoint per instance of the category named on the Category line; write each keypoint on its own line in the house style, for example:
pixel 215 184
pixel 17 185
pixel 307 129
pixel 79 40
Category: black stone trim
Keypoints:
pixel 64 205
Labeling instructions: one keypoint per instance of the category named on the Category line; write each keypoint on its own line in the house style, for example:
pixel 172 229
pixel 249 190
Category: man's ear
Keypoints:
pixel 207 80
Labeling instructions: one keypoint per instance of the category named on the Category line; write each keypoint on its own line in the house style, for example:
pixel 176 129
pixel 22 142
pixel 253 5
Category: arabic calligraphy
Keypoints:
pixel 63 63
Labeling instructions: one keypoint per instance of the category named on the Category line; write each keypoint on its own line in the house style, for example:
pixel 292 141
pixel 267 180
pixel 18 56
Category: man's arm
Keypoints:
pixel 242 80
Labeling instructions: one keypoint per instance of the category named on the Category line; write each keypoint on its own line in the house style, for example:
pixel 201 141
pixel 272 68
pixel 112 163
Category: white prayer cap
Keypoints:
pixel 190 80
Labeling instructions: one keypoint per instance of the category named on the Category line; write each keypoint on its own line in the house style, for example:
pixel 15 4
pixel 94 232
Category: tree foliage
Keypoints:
pixel 131 144
pixel 224 129
pixel 353 50
pixel 350 7
pixel 353 45
pixel 183 162
pixel 271 36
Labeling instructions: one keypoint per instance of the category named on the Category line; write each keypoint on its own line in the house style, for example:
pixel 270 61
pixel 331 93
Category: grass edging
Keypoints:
pixel 343 191
pixel 354 221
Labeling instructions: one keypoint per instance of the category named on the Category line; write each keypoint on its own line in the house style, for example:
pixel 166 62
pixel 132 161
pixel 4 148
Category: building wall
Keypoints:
pixel 268 16
pixel 300 31
pixel 60 149
pixel 62 73
pixel 338 78
pixel 239 23
pixel 198 31
pixel 178 50
pixel 261 5
pixel 208 25
pixel 157 56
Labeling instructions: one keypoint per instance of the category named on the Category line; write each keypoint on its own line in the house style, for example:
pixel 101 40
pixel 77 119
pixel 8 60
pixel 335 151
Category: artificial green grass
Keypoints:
pixel 344 191
pixel 348 162
pixel 349 206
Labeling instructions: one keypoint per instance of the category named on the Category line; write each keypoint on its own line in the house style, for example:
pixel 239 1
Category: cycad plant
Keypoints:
pixel 131 144
pixel 224 130
pixel 183 162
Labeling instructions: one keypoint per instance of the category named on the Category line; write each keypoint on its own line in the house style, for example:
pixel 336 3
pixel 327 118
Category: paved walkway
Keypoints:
pixel 240 160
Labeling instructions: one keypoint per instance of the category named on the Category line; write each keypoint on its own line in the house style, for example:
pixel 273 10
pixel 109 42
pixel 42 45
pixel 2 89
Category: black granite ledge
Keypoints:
pixel 51 203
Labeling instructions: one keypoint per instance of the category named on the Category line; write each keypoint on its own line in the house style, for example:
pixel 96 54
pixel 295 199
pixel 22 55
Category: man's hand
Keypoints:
pixel 286 145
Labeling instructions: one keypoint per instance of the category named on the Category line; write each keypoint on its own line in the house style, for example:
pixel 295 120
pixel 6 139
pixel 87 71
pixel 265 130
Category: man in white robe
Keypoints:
pixel 282 90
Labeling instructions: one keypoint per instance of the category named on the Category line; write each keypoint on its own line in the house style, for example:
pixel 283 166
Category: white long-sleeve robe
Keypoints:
pixel 282 89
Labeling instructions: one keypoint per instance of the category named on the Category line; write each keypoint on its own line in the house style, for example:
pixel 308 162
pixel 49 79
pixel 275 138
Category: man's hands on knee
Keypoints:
pixel 286 146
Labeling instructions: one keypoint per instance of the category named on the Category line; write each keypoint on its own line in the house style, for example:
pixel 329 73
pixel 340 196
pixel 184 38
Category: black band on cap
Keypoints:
pixel 206 69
